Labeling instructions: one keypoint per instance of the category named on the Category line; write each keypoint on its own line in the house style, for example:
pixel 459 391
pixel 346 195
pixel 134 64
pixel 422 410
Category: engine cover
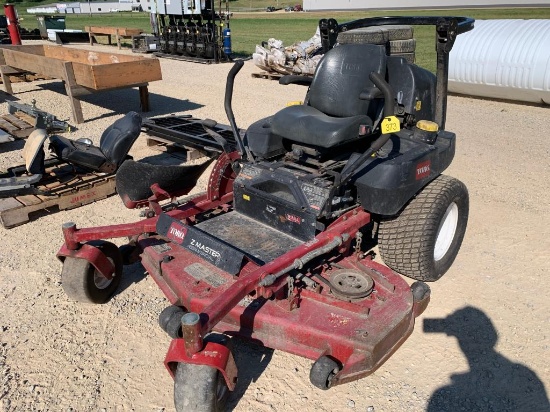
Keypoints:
pixel 283 198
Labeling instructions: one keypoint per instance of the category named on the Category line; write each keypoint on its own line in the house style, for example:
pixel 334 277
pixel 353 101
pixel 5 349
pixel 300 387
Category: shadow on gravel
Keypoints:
pixel 493 383
pixel 132 274
pixel 251 360
pixel 125 100
pixel 17 144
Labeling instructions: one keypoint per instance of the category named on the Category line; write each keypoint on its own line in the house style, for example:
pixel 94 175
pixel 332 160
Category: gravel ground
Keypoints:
pixel 58 355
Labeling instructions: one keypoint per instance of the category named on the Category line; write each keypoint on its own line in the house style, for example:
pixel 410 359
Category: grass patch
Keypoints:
pixel 249 29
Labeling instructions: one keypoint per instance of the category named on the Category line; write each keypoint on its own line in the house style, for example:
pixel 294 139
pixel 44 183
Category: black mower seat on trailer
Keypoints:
pixel 334 112
pixel 134 180
pixel 114 145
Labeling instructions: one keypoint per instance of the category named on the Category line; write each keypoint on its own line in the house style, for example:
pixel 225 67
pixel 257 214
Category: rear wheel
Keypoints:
pixel 424 239
pixel 82 282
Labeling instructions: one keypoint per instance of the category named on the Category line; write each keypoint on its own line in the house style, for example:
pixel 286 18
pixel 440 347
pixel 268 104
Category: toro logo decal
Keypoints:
pixel 293 218
pixel 176 232
pixel 423 170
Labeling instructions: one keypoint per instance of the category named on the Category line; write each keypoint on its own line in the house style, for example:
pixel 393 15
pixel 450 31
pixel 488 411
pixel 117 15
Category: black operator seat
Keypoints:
pixel 114 145
pixel 333 112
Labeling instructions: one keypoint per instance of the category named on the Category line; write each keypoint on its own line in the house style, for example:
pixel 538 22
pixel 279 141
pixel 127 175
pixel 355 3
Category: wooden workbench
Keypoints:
pixel 83 71
pixel 118 32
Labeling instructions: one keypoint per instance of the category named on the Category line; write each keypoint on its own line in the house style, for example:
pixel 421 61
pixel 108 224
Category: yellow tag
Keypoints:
pixel 246 197
pixel 390 124
pixel 294 103
pixel 418 106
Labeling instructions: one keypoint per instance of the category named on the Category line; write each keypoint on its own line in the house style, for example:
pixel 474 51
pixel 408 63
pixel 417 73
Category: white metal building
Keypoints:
pixel 312 5
pixel 94 6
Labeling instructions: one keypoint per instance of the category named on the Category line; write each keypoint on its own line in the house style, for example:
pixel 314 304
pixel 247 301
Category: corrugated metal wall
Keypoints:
pixel 415 4
pixel 504 59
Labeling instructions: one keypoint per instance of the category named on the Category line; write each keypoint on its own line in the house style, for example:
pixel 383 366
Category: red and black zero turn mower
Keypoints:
pixel 274 250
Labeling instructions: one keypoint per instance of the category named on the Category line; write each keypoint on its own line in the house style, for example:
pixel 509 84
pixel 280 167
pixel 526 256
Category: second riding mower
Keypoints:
pixel 275 250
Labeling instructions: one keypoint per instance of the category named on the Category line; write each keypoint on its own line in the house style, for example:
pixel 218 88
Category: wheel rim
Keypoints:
pixel 100 281
pixel 446 232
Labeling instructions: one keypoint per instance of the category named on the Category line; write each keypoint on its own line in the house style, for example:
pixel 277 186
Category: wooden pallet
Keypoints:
pixel 185 153
pixel 18 125
pixel 268 75
pixel 65 190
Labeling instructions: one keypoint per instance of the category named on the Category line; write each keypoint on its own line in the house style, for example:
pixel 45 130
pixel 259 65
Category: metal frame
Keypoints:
pixel 447 29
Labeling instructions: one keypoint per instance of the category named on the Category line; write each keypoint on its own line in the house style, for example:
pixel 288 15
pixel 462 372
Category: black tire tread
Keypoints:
pixel 76 273
pixel 376 34
pixel 320 371
pixel 402 240
pixel 195 389
pixel 409 57
pixel 402 46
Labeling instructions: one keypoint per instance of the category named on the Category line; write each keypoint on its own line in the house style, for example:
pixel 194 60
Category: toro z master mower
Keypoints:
pixel 275 249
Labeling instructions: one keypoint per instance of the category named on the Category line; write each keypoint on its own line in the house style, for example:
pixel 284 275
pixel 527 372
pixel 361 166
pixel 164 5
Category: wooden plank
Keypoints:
pixel 9 203
pixel 6 79
pixel 27 118
pixel 16 121
pixel 267 75
pixel 122 31
pixel 89 57
pixel 37 64
pixel 69 82
pixel 126 73
pixel 88 195
pixel 181 152
pixel 144 98
pixel 33 63
pixel 29 200
pixel 7 126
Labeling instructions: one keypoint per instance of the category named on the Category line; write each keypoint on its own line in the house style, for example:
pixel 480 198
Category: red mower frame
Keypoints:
pixel 367 333
pixel 290 302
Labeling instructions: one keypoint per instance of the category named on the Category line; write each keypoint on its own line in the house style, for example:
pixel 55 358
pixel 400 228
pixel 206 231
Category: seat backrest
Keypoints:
pixel 33 151
pixel 117 139
pixel 341 76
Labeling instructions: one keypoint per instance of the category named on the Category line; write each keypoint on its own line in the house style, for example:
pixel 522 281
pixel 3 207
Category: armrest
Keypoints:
pixel 294 79
pixel 370 94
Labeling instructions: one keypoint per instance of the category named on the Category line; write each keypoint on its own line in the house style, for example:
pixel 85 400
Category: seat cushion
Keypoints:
pixel 77 153
pixel 305 124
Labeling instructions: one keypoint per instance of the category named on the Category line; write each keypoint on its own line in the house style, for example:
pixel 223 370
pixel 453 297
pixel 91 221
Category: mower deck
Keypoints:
pixel 360 333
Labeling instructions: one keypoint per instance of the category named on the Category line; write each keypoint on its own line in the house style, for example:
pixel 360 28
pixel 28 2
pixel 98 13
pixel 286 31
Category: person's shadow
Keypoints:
pixel 493 383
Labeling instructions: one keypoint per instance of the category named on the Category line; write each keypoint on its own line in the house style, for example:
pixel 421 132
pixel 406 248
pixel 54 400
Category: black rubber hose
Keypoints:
pixel 228 97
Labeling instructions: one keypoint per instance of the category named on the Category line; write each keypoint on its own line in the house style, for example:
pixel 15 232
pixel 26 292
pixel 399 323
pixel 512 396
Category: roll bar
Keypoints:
pixel 447 28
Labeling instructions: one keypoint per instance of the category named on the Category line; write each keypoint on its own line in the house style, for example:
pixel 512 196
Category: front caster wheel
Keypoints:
pixel 199 388
pixel 322 372
pixel 170 320
pixel 82 282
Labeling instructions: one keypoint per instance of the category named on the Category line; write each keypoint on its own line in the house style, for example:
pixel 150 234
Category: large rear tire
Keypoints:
pixel 424 239
pixel 82 282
